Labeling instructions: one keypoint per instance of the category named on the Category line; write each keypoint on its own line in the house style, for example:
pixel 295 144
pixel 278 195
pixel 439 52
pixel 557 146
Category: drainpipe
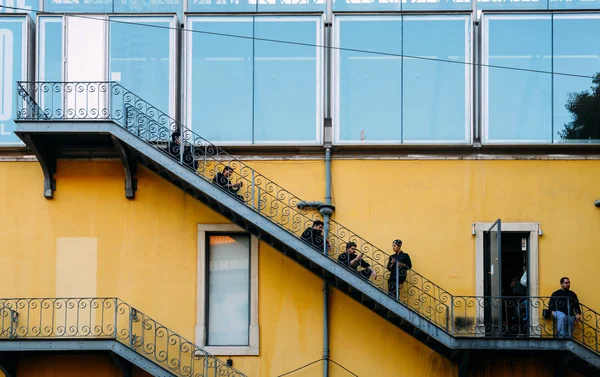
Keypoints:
pixel 326 210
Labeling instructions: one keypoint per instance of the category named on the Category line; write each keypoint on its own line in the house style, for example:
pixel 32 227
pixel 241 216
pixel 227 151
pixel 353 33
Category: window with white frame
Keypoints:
pixel 227 310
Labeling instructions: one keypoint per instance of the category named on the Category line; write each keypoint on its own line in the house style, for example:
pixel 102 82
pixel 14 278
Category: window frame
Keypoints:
pixel 252 349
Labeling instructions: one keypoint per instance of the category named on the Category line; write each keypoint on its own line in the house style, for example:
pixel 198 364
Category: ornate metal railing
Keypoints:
pixel 110 318
pixel 461 316
pixel 93 101
pixel 521 316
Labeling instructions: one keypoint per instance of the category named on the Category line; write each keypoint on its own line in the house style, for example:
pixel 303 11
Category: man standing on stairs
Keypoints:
pixel 354 260
pixel 314 235
pixel 398 265
pixel 223 180
pixel 564 306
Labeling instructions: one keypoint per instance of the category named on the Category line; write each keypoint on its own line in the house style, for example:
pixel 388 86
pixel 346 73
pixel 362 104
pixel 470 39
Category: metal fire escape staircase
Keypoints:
pixel 103 119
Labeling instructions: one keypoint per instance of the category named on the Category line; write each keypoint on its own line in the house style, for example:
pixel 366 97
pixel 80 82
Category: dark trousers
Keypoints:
pixel 392 284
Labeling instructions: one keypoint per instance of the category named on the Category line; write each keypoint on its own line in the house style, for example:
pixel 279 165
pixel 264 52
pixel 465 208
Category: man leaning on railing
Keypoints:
pixel 564 306
pixel 354 259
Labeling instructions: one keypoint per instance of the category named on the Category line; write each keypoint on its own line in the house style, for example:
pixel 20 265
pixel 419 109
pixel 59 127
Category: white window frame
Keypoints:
pixel 534 230
pixel 252 349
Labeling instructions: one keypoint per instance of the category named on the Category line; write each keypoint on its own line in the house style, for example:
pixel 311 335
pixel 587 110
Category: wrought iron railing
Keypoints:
pixel 458 315
pixel 109 318
pixel 93 101
pixel 523 317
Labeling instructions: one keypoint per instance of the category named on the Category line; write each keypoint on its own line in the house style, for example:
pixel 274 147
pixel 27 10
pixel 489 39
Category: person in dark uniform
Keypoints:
pixel 223 180
pixel 398 265
pixel 353 260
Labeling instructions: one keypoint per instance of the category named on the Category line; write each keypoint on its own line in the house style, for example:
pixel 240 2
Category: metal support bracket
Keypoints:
pixel 129 166
pixel 463 366
pixel 47 159
pixel 124 366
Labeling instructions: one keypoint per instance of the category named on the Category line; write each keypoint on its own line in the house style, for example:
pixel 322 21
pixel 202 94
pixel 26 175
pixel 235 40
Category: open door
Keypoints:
pixel 493 280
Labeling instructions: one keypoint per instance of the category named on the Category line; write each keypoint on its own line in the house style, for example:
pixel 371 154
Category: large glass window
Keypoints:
pixel 436 80
pixel 50 63
pixel 256 6
pixel 400 5
pixel 576 49
pixel 517 84
pixel 402 80
pixel 13 67
pixel 238 88
pixel 114 6
pixel 228 290
pixel 142 58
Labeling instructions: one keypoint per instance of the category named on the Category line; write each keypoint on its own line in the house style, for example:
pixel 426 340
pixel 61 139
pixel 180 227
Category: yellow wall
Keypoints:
pixel 144 250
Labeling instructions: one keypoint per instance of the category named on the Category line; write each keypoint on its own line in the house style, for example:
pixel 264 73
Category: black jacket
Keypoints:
pixel 401 257
pixel 562 301
pixel 314 237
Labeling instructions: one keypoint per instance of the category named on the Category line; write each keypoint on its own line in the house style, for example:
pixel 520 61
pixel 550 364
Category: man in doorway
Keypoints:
pixel 398 265
pixel 314 235
pixel 564 306
pixel 223 180
pixel 353 260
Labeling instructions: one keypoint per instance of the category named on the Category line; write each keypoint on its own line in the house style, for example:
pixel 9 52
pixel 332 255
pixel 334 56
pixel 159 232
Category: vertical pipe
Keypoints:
pixel 325 285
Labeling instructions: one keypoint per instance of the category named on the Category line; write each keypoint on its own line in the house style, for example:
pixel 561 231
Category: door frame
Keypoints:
pixel 534 230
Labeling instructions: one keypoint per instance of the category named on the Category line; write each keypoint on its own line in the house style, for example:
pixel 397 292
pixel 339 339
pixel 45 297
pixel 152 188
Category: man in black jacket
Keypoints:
pixel 354 260
pixel 223 180
pixel 564 306
pixel 314 235
pixel 398 265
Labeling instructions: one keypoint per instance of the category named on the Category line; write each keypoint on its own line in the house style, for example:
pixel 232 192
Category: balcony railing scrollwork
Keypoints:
pixel 108 318
pixel 461 316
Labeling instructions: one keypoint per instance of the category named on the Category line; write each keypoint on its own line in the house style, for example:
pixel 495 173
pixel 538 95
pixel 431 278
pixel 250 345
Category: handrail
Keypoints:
pixel 111 318
pixel 90 101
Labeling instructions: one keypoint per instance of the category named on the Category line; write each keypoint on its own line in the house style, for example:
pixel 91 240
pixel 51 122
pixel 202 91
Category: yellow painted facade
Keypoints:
pixel 144 251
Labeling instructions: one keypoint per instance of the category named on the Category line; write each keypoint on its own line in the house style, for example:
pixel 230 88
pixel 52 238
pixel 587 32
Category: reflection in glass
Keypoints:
pixel 518 102
pixel 286 79
pixel 436 93
pixel 369 86
pixel 576 99
pixel 219 77
pixel 140 58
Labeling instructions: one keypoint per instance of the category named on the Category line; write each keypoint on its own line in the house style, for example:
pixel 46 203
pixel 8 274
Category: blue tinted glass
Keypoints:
pixel 285 80
pixel 23 6
pixel 363 5
pixel 576 51
pixel 436 93
pixel 222 5
pixel 219 98
pixel 519 103
pixel 369 86
pixel 50 68
pixel 144 6
pixel 511 4
pixel 436 5
pixel 105 6
pixel 291 5
pixel 140 59
pixel 12 52
pixel 574 4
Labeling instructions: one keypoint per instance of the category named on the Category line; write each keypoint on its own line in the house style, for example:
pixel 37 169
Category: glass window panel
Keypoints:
pixel 219 96
pixel 576 51
pixel 50 64
pixel 366 5
pixel 145 6
pixel 29 6
pixel 369 86
pixel 222 6
pixel 574 4
pixel 436 93
pixel 519 103
pixel 140 59
pixel 12 69
pixel 286 80
pixel 290 5
pixel 228 290
pixel 87 6
pixel 511 4
pixel 436 5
